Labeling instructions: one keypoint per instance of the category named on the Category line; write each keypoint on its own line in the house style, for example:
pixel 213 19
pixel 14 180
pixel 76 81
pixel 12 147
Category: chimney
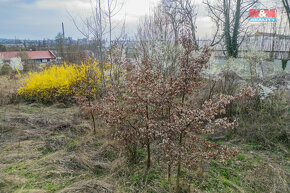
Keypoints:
pixel 63 30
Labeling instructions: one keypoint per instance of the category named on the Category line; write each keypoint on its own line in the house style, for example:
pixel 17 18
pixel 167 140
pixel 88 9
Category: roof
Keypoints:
pixel 34 55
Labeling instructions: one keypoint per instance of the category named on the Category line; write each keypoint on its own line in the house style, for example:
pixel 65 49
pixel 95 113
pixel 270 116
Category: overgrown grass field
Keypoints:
pixel 53 149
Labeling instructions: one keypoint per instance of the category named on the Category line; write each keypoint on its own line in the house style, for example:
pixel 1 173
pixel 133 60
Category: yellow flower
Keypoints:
pixel 64 81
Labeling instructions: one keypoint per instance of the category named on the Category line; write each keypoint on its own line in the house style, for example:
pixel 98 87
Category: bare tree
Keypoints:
pixel 93 28
pixel 158 40
pixel 159 33
pixel 60 44
pixel 181 11
pixel 232 16
pixel 170 9
pixel 97 26
pixel 287 8
pixel 113 8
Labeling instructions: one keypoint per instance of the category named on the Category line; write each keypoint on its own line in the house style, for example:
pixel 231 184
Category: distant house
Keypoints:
pixel 31 56
pixel 14 45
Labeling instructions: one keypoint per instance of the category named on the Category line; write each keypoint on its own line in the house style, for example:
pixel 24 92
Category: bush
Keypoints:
pixel 63 82
pixel 266 122
pixel 284 64
pixel 16 64
pixel 5 70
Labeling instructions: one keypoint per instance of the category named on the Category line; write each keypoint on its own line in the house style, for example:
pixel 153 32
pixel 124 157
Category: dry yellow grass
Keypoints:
pixel 51 149
pixel 8 88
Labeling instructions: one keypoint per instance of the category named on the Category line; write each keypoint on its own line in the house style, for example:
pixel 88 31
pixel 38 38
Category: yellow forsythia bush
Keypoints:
pixel 63 82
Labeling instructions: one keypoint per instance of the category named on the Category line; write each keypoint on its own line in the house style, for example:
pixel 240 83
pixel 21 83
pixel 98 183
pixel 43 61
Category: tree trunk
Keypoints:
pixel 178 188
pixel 235 45
pixel 287 8
pixel 148 141
pixel 110 33
pixel 227 33
pixel 101 48
pixel 148 155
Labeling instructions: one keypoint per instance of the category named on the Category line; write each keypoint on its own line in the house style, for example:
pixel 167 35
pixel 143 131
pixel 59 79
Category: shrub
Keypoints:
pixel 5 70
pixel 63 82
pixel 284 64
pixel 266 124
pixel 16 64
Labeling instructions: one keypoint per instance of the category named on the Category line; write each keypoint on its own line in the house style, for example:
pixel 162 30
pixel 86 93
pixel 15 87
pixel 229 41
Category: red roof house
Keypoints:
pixel 36 56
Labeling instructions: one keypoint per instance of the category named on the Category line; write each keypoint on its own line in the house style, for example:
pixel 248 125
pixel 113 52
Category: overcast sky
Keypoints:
pixel 38 19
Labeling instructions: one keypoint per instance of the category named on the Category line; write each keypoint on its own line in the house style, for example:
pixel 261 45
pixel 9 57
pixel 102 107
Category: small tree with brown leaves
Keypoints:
pixel 135 110
pixel 183 135
pixel 153 108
